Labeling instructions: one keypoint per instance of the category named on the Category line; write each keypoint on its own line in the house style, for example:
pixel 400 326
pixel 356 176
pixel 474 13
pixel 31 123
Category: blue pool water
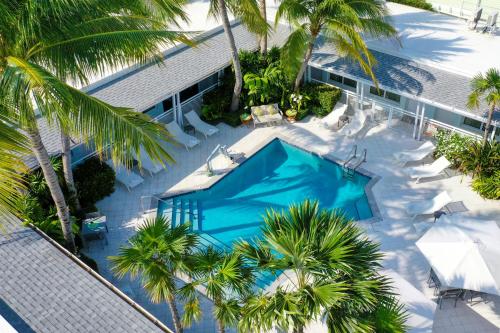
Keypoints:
pixel 276 176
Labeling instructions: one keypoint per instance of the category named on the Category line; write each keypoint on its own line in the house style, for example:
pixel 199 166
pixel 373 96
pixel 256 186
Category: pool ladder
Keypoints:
pixel 352 162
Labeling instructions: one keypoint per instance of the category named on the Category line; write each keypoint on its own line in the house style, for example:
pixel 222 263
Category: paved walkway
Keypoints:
pixel 393 192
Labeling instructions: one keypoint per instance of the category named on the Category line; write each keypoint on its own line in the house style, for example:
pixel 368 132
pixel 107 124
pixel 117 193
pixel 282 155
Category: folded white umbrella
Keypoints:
pixel 419 308
pixel 464 253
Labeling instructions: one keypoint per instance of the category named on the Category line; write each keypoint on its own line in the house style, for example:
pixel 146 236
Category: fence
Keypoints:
pixel 465 8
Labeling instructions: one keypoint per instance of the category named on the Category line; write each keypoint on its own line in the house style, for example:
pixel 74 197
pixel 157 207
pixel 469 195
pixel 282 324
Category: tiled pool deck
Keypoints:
pixel 393 192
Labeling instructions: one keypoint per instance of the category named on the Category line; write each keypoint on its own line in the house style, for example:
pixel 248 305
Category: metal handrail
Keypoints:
pixel 351 155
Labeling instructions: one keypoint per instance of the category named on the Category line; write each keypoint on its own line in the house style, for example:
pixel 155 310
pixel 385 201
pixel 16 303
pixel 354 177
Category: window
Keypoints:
pixel 392 96
pixel 167 104
pixel 377 92
pixel 335 77
pixel 189 92
pixel 316 73
pixel 473 123
pixel 350 83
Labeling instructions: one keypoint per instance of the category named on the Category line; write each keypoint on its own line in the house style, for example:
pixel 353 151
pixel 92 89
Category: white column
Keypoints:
pixel 180 117
pixel 389 118
pixel 417 112
pixel 308 74
pixel 421 123
pixel 358 89
pixel 493 132
pixel 362 96
pixel 174 107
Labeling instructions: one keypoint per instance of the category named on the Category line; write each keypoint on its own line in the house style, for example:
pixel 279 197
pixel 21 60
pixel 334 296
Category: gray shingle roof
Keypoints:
pixel 183 66
pixel 401 75
pixel 43 290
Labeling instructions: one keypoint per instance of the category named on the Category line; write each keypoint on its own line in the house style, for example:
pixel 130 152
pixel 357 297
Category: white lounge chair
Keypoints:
pixel 199 125
pixel 356 123
pixel 178 135
pixel 415 154
pixel 148 164
pixel 424 207
pixel 428 170
pixel 332 119
pixel 127 177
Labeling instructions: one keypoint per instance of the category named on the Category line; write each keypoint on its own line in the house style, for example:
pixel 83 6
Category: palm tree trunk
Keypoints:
pixel 175 314
pixel 263 38
pixel 234 55
pixel 67 171
pixel 488 124
pixel 298 329
pixel 303 67
pixel 220 327
pixel 53 183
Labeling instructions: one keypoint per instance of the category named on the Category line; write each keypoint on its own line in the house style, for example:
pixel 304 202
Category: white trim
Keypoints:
pixel 421 126
pixel 417 112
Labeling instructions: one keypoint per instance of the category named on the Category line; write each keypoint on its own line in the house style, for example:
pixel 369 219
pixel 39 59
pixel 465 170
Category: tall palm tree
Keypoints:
pixel 46 44
pixel 248 12
pixel 225 279
pixel 341 22
pixel 157 253
pixel 263 36
pixel 331 269
pixel 487 85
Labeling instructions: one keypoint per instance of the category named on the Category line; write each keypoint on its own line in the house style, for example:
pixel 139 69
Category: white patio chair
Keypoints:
pixel 147 163
pixel 332 119
pixel 429 206
pixel 428 170
pixel 127 177
pixel 199 125
pixel 406 156
pixel 178 135
pixel 356 123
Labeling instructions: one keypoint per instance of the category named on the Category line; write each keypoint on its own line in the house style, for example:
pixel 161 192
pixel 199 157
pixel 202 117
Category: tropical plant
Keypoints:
pixel 487 85
pixel 298 101
pixel 481 159
pixel 46 44
pixel 341 22
pixel 331 270
pixel 157 252
pixel 248 12
pixel 451 145
pixel 323 97
pixel 261 88
pixel 13 147
pixel 488 187
pixel 94 181
pixel 226 280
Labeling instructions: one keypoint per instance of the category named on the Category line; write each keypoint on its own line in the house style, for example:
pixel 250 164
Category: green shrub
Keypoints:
pixel 422 4
pixel 323 98
pixel 481 159
pixel 94 181
pixel 488 187
pixel 452 145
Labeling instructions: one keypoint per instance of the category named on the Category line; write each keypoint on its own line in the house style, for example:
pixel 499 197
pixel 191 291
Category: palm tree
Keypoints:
pixel 248 12
pixel 158 253
pixel 331 269
pixel 225 279
pixel 487 85
pixel 46 45
pixel 263 37
pixel 341 22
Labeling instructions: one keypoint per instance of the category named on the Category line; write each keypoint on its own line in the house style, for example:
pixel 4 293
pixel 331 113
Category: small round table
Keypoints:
pixel 342 120
pixel 189 129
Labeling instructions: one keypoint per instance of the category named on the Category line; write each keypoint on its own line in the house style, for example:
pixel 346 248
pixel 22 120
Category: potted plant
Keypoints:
pixel 291 114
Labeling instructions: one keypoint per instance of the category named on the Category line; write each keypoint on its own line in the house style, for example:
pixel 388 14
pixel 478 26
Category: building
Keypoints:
pixel 46 289
pixel 423 83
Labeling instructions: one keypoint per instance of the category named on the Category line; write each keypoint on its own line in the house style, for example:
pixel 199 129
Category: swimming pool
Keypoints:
pixel 276 176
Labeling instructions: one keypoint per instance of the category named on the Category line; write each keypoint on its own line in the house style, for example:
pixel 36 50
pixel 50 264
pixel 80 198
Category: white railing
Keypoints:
pixel 157 119
pixel 461 131
pixel 464 8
